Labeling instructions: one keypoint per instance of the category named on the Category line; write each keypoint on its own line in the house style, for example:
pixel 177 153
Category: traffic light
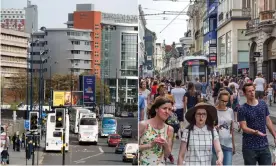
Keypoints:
pixel 60 118
pixel 33 121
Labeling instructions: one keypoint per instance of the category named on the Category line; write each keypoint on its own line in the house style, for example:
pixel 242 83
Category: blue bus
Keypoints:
pixel 109 126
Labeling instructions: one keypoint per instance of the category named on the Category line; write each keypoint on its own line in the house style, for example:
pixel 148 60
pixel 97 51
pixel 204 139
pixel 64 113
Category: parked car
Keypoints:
pixel 129 151
pixel 126 131
pixel 120 147
pixel 135 158
pixel 130 114
pixel 113 139
pixel 124 114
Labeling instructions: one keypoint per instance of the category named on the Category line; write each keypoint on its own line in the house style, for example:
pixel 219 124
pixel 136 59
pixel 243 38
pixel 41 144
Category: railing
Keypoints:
pixel 252 24
pixel 267 15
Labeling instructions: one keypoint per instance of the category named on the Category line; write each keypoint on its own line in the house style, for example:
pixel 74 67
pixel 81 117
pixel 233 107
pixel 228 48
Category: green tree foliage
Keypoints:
pixel 102 92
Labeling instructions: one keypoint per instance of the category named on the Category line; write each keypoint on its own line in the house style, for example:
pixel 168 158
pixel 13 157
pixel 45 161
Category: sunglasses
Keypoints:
pixel 201 115
pixel 224 101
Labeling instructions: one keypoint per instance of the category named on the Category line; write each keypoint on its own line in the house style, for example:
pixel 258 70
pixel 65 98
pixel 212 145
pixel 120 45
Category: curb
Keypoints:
pixel 41 158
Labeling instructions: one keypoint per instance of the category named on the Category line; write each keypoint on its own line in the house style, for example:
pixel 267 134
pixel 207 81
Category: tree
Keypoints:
pixel 101 91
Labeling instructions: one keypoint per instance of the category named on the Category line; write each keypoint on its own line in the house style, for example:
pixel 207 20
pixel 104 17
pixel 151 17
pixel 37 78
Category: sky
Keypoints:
pixel 54 13
pixel 155 23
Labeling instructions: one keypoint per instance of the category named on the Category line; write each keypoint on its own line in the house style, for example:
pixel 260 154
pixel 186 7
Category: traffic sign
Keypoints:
pixel 27 124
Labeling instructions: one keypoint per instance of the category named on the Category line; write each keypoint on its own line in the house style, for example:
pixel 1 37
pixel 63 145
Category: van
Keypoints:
pixel 130 151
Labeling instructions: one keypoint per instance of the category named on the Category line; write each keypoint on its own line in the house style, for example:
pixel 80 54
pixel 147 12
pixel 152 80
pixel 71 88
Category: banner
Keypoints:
pixel 89 89
pixel 64 98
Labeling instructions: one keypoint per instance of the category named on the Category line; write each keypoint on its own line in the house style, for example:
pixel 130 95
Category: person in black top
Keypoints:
pixel 216 88
pixel 4 156
pixel 230 102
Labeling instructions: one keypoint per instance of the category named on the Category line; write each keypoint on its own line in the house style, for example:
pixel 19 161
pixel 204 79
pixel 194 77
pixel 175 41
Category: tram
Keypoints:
pixel 195 67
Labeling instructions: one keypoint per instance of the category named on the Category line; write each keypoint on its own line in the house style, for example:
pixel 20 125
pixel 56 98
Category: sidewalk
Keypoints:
pixel 19 158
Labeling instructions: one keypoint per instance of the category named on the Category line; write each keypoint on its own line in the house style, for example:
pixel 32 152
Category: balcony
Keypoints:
pixel 13 64
pixel 252 26
pixel 187 40
pixel 267 21
pixel 14 54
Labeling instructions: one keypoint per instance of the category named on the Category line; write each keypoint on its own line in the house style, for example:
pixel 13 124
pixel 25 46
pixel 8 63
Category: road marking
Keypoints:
pixel 101 150
pixel 81 160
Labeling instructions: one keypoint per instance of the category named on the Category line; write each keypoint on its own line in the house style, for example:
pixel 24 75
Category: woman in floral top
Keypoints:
pixel 155 135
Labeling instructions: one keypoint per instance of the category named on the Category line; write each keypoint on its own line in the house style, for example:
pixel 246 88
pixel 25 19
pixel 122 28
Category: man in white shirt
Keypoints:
pixel 259 84
pixel 178 93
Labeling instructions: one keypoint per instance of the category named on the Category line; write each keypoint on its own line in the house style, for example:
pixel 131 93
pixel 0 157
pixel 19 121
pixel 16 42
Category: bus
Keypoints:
pixel 54 136
pixel 195 67
pixel 75 117
pixel 88 128
pixel 109 125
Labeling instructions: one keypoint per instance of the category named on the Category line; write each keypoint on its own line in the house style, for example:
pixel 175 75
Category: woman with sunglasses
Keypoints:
pixel 225 128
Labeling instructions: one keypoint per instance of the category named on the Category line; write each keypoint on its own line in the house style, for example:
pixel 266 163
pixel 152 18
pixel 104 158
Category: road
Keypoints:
pixel 99 154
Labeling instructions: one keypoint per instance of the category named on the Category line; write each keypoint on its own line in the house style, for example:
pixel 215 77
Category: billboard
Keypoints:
pixel 89 89
pixel 64 98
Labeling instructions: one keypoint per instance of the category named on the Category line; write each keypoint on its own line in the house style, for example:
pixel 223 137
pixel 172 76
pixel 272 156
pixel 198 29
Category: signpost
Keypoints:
pixel 27 125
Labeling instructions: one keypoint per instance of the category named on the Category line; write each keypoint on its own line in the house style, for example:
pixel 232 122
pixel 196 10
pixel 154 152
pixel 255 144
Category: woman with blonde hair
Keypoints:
pixel 225 128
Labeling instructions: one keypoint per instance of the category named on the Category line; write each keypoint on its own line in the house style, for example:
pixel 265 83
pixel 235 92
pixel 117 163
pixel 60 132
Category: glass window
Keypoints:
pixel 88 121
pixel 206 26
pixel 222 59
pixel 57 134
pixel 228 47
pixel 52 119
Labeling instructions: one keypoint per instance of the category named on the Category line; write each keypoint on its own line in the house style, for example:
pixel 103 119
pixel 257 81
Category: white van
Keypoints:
pixel 130 151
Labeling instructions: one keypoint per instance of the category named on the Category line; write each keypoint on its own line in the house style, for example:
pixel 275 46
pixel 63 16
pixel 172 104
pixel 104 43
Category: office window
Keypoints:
pixel 228 47
pixel 221 49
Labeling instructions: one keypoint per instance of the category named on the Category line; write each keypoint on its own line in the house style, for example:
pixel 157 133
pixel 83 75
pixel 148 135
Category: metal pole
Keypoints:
pixel 71 86
pixel 63 146
pixel 31 93
pixel 40 87
pixel 37 149
pixel 26 149
pixel 33 158
pixel 50 102
pixel 27 100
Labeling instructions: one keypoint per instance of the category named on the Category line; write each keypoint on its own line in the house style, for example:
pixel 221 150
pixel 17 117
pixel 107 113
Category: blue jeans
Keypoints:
pixel 262 156
pixel 227 155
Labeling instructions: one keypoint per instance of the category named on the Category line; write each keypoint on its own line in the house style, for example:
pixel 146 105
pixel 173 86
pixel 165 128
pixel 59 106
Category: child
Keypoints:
pixel 269 94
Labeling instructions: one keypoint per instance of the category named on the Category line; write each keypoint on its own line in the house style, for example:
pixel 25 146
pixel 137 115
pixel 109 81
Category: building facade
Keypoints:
pixel 142 52
pixel 158 57
pixel 20 19
pixel 261 30
pixel 150 40
pixel 232 44
pixel 210 34
pixel 69 50
pixel 85 17
pixel 120 55
pixel 14 46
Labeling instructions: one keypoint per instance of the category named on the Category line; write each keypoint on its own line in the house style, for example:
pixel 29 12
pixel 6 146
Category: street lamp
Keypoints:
pixel 51 89
pixel 72 72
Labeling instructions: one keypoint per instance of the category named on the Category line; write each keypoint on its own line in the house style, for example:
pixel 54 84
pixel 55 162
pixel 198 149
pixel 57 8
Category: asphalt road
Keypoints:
pixel 99 154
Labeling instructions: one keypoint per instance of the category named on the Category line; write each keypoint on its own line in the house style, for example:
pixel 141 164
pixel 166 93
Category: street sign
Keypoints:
pixel 27 124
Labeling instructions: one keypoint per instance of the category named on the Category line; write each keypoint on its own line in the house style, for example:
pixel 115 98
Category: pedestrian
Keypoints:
pixel 200 136
pixel 141 107
pixel 225 128
pixel 259 83
pixel 4 156
pixel 154 88
pixel 155 135
pixel 18 143
pixel 204 88
pixel 161 91
pixel 269 94
pixel 145 93
pixel 216 87
pixel 253 117
pixel 191 97
pixel 235 104
pixel 198 85
pixel 178 94
pixel 14 141
pixel 23 140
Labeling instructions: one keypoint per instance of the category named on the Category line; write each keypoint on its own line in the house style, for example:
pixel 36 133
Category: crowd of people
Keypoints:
pixel 170 110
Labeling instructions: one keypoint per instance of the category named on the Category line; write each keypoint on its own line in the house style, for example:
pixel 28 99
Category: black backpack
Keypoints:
pixel 188 139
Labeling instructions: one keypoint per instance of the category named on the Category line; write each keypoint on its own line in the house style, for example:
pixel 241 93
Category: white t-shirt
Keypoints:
pixel 225 119
pixel 259 84
pixel 235 84
pixel 178 94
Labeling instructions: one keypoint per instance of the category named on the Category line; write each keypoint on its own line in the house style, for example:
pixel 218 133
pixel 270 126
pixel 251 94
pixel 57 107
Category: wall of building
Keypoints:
pixel 31 14
pixel 91 20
